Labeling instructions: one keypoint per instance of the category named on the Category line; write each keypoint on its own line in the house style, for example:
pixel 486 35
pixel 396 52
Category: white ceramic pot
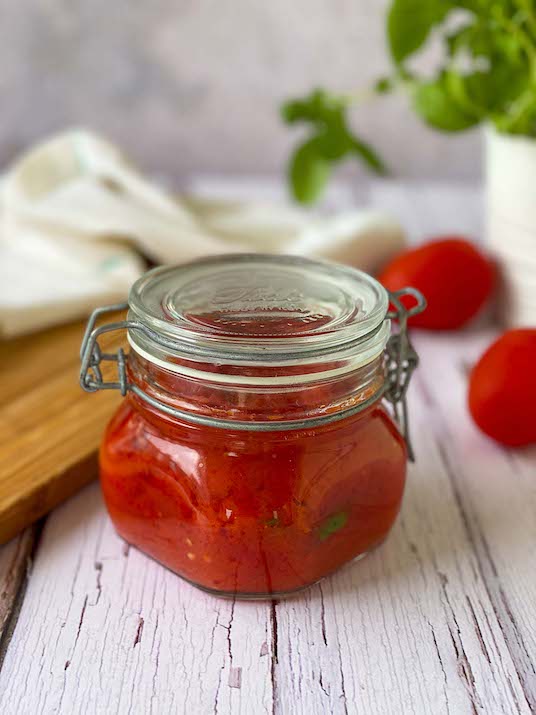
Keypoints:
pixel 511 222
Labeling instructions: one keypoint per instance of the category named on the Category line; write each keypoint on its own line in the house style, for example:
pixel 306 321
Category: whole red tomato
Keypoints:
pixel 502 389
pixel 454 277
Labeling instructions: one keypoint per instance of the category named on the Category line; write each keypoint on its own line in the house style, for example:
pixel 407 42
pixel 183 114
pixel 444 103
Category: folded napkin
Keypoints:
pixel 78 222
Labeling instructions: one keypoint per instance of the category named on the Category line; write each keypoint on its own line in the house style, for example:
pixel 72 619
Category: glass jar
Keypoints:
pixel 254 454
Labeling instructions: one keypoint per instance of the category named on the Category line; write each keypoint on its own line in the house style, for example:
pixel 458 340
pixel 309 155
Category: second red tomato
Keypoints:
pixel 453 275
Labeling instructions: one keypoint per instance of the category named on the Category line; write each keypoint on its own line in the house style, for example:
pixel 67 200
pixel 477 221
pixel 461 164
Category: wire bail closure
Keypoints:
pixel 400 362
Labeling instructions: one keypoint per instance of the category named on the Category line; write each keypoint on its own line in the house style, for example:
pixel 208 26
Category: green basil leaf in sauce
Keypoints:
pixel 272 522
pixel 332 524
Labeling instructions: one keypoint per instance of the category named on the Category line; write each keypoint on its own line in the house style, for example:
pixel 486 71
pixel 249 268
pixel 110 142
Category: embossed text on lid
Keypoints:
pixel 259 299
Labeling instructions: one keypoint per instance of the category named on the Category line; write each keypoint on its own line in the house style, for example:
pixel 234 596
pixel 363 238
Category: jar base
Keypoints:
pixel 275 595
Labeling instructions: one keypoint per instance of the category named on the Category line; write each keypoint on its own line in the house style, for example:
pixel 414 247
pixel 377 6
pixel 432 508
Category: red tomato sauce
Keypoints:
pixel 252 512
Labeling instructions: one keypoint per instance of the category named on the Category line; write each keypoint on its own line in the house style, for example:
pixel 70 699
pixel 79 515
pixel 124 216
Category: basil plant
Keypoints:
pixel 487 74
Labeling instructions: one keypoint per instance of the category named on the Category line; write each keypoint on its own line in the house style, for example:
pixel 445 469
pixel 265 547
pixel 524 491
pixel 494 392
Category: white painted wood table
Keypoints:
pixel 440 619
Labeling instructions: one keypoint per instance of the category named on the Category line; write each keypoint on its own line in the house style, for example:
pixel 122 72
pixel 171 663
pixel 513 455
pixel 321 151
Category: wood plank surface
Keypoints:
pixel 439 619
pixel 49 428
pixel 15 563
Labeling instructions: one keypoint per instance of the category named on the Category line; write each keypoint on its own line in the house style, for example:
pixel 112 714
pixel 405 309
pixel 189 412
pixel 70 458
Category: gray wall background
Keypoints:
pixel 194 85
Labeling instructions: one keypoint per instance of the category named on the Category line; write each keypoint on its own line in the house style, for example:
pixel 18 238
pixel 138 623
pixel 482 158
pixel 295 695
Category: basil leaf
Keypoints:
pixel 369 156
pixel 334 140
pixel 499 86
pixel 332 524
pixel 435 104
pixel 474 38
pixel 315 107
pixel 383 85
pixel 409 23
pixel 274 521
pixel 330 142
pixel 308 171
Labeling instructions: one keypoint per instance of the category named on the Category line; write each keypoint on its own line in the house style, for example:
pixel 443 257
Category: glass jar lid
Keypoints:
pixel 259 309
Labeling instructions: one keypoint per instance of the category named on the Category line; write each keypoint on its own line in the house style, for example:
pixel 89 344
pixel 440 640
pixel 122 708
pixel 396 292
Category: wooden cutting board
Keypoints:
pixel 49 428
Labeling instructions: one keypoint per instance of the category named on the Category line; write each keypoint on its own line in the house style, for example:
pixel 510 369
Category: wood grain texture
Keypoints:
pixel 496 494
pixel 15 563
pixel 439 619
pixel 49 428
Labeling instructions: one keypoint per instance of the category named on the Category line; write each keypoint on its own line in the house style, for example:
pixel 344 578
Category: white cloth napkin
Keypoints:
pixel 77 221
